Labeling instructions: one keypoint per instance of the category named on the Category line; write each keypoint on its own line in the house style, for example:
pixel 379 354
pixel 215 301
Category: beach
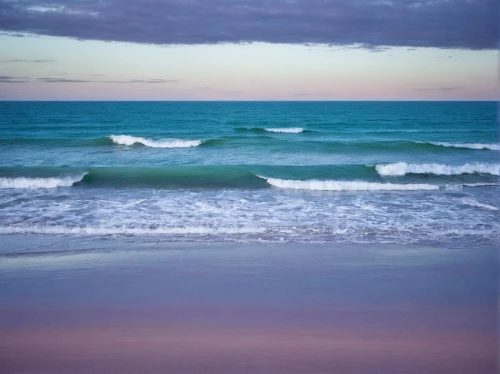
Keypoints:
pixel 249 187
pixel 249 237
pixel 130 305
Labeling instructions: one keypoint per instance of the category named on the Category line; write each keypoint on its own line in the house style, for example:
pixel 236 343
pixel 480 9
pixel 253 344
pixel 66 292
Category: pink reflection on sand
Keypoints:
pixel 177 349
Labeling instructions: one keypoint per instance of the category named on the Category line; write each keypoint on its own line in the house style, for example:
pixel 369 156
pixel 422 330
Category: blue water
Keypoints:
pixel 390 172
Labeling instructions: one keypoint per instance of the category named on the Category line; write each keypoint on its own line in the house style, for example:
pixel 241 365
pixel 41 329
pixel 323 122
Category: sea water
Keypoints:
pixel 312 172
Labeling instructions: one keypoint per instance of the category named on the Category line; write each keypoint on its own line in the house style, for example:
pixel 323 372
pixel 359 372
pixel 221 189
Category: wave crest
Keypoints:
pixel 402 168
pixel 491 147
pixel 288 130
pixel 52 182
pixel 333 185
pixel 472 202
pixel 165 143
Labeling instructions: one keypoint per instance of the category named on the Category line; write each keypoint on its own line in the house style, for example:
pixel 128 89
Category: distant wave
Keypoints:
pixel 165 143
pixel 283 130
pixel 403 168
pixel 333 185
pixel 492 146
pixel 290 130
pixel 52 182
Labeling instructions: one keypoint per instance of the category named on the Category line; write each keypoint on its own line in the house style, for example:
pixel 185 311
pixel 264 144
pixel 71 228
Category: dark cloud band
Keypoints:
pixel 12 79
pixel 462 24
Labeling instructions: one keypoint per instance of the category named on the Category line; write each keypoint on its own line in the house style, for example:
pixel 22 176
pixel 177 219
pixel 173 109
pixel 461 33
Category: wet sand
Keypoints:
pixel 117 306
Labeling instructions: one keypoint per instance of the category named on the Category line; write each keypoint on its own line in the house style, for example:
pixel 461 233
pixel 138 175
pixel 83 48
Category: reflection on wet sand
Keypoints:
pixel 250 309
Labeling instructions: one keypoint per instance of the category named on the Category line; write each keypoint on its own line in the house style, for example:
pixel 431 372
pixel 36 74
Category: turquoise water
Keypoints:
pixel 402 172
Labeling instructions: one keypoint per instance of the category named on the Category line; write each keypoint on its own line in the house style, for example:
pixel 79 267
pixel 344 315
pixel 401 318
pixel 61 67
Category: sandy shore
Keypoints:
pixel 117 306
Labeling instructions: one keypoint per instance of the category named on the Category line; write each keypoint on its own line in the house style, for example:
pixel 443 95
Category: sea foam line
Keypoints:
pixel 289 130
pixel 333 185
pixel 402 168
pixel 165 143
pixel 189 230
pixel 491 147
pixel 51 182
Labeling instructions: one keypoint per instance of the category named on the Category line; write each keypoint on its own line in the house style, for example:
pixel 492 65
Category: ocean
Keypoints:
pixel 422 173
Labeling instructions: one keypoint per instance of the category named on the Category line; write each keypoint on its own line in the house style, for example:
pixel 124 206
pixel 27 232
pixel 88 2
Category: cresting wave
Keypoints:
pixel 283 130
pixel 348 178
pixel 332 185
pixel 289 130
pixel 402 168
pixel 491 147
pixel 51 182
pixel 165 143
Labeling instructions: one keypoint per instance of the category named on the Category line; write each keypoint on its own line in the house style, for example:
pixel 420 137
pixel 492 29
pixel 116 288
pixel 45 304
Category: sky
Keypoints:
pixel 249 49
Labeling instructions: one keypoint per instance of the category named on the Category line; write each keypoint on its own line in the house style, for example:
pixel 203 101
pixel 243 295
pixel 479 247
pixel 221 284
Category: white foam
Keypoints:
pixel 333 185
pixel 472 202
pixel 289 130
pixel 492 147
pixel 194 230
pixel 480 184
pixel 403 168
pixel 165 143
pixel 53 182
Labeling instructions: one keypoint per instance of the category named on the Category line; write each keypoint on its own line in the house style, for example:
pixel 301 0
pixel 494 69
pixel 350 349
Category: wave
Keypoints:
pixel 286 130
pixel 491 147
pixel 402 168
pixel 51 182
pixel 334 185
pixel 319 177
pixel 206 177
pixel 92 230
pixel 472 202
pixel 165 143
pixel 289 130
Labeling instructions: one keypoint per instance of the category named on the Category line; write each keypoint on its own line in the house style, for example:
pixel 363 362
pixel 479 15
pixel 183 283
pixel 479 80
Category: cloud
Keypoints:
pixel 65 80
pixel 11 79
pixel 312 94
pixel 461 24
pixel 438 89
pixel 62 80
pixel 27 61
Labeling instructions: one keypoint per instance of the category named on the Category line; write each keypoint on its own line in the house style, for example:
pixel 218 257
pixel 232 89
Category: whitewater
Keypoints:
pixel 164 143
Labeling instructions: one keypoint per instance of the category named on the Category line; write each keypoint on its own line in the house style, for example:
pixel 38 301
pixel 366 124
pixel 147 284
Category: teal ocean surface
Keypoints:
pixel 376 172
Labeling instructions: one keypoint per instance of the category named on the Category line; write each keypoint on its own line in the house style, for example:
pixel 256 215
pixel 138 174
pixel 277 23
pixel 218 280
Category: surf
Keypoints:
pixel 165 143
pixel 286 130
pixel 400 169
pixel 477 146
pixel 336 185
pixel 33 183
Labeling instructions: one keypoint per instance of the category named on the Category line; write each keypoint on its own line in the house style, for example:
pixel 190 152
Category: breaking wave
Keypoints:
pixel 472 202
pixel 491 147
pixel 283 130
pixel 332 185
pixel 165 143
pixel 51 182
pixel 402 168
pixel 289 130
